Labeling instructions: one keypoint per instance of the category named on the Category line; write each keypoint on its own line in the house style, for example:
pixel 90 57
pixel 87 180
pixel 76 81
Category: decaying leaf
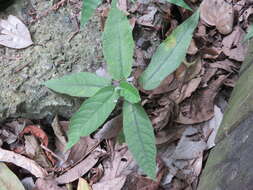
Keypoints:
pixel 233 45
pixel 200 106
pixel 116 170
pixel 218 13
pixel 211 127
pixel 48 184
pixel 21 161
pixel 14 34
pixel 110 129
pixel 80 169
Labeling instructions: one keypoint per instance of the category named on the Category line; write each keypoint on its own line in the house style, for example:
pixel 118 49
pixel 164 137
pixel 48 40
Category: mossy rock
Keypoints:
pixel 52 55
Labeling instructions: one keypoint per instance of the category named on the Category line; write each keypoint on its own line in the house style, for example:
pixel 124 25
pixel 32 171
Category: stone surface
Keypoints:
pixel 22 72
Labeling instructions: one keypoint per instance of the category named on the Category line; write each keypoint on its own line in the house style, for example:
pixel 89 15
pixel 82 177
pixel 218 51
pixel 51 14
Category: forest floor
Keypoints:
pixel 186 109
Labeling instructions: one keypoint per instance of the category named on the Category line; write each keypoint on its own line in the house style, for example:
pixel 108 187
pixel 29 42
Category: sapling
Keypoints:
pixel 118 49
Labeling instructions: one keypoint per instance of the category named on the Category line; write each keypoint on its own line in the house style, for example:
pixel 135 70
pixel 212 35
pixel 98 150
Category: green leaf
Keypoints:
pixel 8 180
pixel 140 137
pixel 118 44
pixel 249 34
pixel 129 92
pixel 81 84
pixel 180 3
pixel 92 113
pixel 169 54
pixel 88 8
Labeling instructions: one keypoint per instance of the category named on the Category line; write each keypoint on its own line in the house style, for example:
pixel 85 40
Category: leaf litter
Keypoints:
pixel 184 109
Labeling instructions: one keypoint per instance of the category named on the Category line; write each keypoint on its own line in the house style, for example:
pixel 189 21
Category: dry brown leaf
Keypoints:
pixel 137 182
pixel 14 34
pixel 226 65
pixel 110 129
pixel 23 162
pixel 148 19
pixel 80 149
pixel 80 169
pixel 116 170
pixel 186 91
pixel 192 50
pixel 233 46
pixel 48 184
pixel 218 13
pixel 169 135
pixel 35 152
pixel 163 116
pixel 200 106
pixel 10 131
pixel 60 141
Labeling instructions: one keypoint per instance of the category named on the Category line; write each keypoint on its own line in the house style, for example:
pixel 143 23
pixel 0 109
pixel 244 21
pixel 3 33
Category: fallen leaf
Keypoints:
pixel 210 128
pixel 110 129
pixel 34 151
pixel 200 106
pixel 186 91
pixel 233 45
pixel 116 170
pixel 60 141
pixel 37 132
pixel 10 131
pixel 187 148
pixel 138 182
pixel 47 184
pixel 23 162
pixel 218 13
pixel 192 49
pixel 225 65
pixel 148 19
pixel 81 149
pixel 80 169
pixel 14 34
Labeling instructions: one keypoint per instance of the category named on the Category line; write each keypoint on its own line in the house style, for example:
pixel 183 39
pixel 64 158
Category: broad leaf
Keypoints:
pixel 180 3
pixel 81 84
pixel 169 54
pixel 129 92
pixel 140 137
pixel 8 180
pixel 118 44
pixel 92 113
pixel 249 33
pixel 88 8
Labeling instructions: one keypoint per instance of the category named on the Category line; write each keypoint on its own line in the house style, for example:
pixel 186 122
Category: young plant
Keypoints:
pixel 118 47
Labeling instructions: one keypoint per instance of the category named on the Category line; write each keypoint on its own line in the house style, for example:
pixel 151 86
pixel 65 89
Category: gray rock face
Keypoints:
pixel 22 72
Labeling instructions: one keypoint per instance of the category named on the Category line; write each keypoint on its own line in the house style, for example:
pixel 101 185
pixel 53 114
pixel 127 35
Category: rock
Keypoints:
pixel 22 72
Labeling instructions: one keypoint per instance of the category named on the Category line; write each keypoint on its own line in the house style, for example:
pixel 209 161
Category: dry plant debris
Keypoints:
pixel 14 34
pixel 186 109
